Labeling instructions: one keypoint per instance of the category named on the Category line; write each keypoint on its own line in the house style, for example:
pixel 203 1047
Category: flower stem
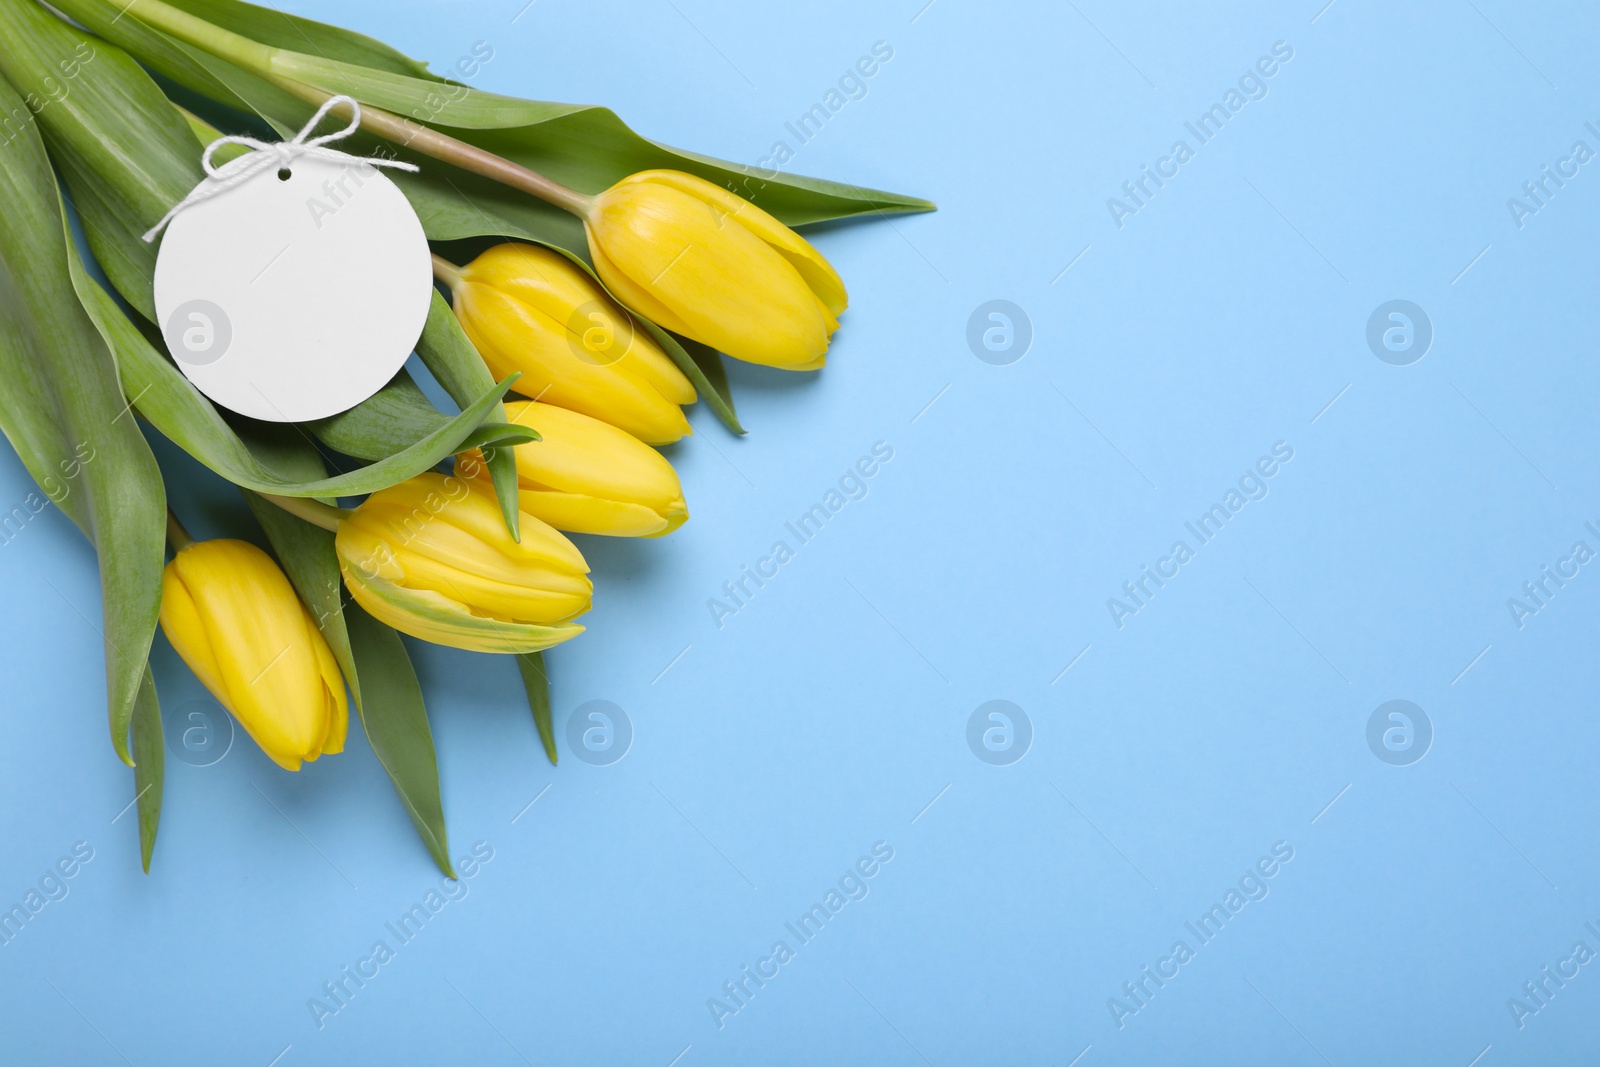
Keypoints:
pixel 446 272
pixel 241 51
pixel 408 134
pixel 313 511
pixel 274 64
pixel 176 534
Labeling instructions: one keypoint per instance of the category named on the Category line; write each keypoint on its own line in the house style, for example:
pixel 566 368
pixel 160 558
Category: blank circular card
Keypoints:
pixel 296 294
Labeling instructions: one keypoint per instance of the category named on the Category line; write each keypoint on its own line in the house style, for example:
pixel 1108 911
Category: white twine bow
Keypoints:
pixel 273 156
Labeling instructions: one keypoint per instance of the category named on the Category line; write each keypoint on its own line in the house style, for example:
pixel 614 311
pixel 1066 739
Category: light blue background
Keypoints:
pixel 829 713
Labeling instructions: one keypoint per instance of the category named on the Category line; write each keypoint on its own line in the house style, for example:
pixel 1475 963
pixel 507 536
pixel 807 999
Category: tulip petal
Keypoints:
pixel 335 701
pixel 262 651
pixel 645 360
pixel 634 295
pixel 727 287
pixel 513 336
pixel 180 621
pixel 538 277
pixel 531 594
pixel 586 476
pixel 593 515
pixel 579 454
pixel 558 289
pixel 454 520
pixel 817 271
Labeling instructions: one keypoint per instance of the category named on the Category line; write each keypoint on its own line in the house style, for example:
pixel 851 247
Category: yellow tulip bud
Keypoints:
pixel 431 557
pixel 700 261
pixel 234 618
pixel 586 476
pixel 529 309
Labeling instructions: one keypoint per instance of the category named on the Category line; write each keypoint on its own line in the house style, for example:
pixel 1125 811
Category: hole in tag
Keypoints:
pixel 284 173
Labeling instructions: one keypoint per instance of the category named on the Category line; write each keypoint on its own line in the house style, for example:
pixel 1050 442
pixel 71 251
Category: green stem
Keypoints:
pixel 241 51
pixel 446 272
pixel 313 511
pixel 408 134
pixel 277 65
pixel 176 534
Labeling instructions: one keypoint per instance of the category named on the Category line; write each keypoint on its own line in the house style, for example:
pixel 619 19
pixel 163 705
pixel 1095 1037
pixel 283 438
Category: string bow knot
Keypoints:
pixel 274 155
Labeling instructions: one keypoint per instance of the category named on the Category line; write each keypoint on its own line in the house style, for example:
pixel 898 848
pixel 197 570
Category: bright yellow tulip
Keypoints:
pixel 431 557
pixel 529 309
pixel 700 261
pixel 234 618
pixel 586 476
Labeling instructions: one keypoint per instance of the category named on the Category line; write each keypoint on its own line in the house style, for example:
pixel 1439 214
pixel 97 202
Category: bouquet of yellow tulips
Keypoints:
pixel 598 275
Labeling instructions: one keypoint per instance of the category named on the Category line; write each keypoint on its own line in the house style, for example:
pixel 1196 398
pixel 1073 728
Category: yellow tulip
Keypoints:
pixel 234 618
pixel 529 309
pixel 586 476
pixel 431 557
pixel 700 261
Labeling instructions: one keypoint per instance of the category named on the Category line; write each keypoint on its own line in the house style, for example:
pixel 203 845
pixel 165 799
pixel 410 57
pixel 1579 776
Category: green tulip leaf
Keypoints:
pixel 390 702
pixel 702 365
pixel 396 722
pixel 585 148
pixel 63 412
pixel 447 351
pixel 125 153
pixel 150 761
pixel 282 30
pixel 709 360
pixel 537 683
pixel 398 416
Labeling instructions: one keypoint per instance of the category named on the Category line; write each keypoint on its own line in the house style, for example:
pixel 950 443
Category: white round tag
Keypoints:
pixel 296 294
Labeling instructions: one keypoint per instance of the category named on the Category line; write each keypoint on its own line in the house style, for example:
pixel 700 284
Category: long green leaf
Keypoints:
pixel 395 418
pixel 450 355
pixel 390 706
pixel 62 410
pixel 282 30
pixel 537 683
pixel 125 152
pixel 586 148
pixel 704 371
pixel 397 727
pixel 150 763
pixel 714 372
